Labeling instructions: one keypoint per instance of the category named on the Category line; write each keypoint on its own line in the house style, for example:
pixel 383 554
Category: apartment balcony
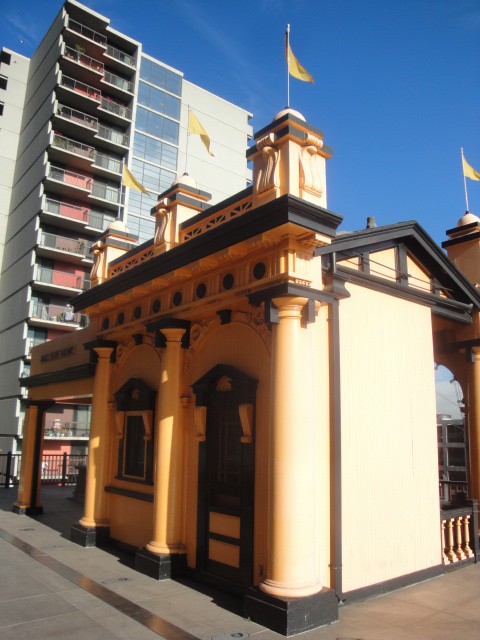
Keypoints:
pixel 118 86
pixel 67 183
pixel 115 112
pixel 55 316
pixel 106 195
pixel 120 60
pixel 112 139
pixel 76 33
pixel 63 429
pixel 107 166
pixel 72 250
pixel 85 68
pixel 74 217
pixel 53 281
pixel 71 152
pixel 81 95
pixel 75 123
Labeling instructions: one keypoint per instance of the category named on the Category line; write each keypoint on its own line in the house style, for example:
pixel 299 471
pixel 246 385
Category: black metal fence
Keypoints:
pixel 58 468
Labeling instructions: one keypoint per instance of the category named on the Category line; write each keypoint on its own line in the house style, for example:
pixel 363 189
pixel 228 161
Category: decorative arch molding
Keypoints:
pixel 126 348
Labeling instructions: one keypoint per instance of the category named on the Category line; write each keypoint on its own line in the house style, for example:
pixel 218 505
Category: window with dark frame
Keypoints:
pixel 5 58
pixel 3 82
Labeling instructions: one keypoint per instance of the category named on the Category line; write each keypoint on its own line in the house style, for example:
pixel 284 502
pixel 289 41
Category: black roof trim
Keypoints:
pixel 461 239
pixel 64 375
pixel 269 216
pixel 417 241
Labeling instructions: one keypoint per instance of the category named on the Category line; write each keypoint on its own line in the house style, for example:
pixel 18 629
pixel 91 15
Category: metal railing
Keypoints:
pixel 84 60
pixel 58 429
pixel 71 245
pixel 61 469
pixel 101 190
pixel 115 107
pixel 121 56
pixel 61 278
pixel 81 87
pixel 58 313
pixel 99 220
pixel 69 177
pixel 108 162
pixel 86 32
pixel 118 137
pixel 78 148
pixel 77 116
pixel 117 81
pixel 451 488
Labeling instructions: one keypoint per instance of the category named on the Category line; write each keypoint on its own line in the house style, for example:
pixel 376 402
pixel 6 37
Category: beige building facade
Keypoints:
pixel 263 396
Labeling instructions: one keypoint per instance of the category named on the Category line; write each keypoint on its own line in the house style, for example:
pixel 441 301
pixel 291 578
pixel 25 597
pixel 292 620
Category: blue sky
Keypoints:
pixel 396 90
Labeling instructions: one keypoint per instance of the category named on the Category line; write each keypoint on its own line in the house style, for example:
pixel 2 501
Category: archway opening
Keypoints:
pixel 451 436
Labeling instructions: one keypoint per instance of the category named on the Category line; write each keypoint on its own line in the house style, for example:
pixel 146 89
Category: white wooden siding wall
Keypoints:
pixel 390 502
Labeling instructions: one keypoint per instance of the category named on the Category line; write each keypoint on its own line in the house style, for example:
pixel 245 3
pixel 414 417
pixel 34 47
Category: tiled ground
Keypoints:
pixel 67 592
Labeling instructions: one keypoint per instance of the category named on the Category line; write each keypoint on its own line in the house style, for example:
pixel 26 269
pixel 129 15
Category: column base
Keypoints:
pixel 290 616
pixel 27 511
pixel 160 566
pixel 89 536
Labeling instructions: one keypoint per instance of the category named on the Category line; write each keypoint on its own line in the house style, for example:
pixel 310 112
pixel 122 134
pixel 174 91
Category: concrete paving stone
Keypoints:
pixel 122 626
pixel 443 626
pixel 437 593
pixel 74 626
pixel 32 608
pixel 16 585
pixel 81 599
pixel 390 610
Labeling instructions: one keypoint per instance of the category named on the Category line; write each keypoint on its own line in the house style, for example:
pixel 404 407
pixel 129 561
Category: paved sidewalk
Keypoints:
pixel 52 588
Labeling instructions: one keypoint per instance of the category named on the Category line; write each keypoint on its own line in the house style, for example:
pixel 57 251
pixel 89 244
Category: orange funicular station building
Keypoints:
pixel 263 395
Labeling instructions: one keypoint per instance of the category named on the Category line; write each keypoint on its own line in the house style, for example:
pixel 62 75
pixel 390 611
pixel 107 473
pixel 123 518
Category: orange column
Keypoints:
pixel 474 424
pixel 292 569
pixel 169 439
pixel 28 498
pixel 95 514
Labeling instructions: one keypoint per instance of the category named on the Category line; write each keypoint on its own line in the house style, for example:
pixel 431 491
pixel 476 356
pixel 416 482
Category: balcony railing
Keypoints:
pixel 70 245
pixel 64 209
pixel 57 313
pixel 77 116
pixel 81 87
pixel 118 109
pixel 99 220
pixel 107 162
pixel 62 279
pixel 459 530
pixel 86 32
pixel 69 177
pixel 117 137
pixel 59 468
pixel 79 149
pixel 85 61
pixel 101 190
pixel 121 56
pixel 117 81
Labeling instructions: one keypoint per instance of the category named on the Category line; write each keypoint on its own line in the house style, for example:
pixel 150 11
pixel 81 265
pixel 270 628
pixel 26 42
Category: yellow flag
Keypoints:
pixel 295 69
pixel 469 172
pixel 194 126
pixel 129 180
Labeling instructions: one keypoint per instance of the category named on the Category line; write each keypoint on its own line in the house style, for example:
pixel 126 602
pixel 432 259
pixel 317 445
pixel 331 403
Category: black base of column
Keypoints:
pixel 290 616
pixel 27 511
pixel 160 566
pixel 89 536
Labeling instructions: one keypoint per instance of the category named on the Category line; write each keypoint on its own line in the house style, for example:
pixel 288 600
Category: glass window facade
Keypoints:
pixel 155 151
pixel 158 100
pixel 160 76
pixel 156 125
pixel 144 228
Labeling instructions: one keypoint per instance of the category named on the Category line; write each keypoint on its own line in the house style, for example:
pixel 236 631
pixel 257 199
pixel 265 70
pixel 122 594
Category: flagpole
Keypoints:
pixel 287 58
pixel 464 180
pixel 188 136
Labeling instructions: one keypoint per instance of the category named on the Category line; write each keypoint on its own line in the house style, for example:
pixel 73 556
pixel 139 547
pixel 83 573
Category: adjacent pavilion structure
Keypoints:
pixel 263 394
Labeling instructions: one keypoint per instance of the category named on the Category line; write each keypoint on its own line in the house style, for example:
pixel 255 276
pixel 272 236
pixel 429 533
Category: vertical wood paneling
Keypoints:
pixel 390 507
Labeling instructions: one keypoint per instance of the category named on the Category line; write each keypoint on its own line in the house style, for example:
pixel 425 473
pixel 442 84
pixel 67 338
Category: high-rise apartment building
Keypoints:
pixel 87 101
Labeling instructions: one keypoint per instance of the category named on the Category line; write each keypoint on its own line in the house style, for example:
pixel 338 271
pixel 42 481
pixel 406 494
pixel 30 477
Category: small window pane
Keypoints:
pixel 134 447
